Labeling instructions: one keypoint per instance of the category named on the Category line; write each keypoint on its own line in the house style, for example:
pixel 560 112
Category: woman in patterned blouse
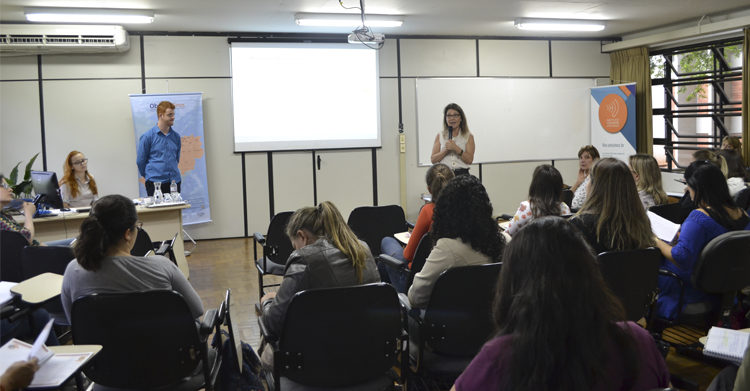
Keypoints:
pixel 7 222
pixel 545 193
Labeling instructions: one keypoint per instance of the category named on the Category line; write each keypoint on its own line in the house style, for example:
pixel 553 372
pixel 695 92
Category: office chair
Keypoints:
pixel 723 268
pixel 632 277
pixel 338 338
pixel 568 197
pixel 276 251
pixel 149 339
pixel 742 198
pixel 372 223
pixel 424 248
pixel 456 323
pixel 11 244
pixel 671 212
pixel 143 245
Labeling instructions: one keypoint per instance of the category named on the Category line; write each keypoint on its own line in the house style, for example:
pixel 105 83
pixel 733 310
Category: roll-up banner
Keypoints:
pixel 613 120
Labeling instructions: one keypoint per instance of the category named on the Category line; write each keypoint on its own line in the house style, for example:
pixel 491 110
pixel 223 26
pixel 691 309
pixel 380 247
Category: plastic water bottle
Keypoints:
pixel 158 197
pixel 174 193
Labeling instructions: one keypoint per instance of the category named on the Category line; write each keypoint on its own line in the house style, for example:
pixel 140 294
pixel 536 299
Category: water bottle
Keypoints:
pixel 174 193
pixel 158 197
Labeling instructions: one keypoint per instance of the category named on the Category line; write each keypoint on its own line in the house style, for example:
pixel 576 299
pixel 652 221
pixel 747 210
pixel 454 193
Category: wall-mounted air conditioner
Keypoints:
pixel 33 39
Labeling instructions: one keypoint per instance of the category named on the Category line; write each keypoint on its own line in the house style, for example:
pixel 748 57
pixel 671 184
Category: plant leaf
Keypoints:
pixel 14 175
pixel 27 173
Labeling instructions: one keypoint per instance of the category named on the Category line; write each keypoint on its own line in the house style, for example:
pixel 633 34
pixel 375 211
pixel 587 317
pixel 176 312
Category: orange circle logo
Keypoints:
pixel 613 113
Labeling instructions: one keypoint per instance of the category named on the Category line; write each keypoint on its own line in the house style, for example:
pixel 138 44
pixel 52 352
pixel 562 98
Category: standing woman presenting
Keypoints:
pixel 454 148
pixel 77 187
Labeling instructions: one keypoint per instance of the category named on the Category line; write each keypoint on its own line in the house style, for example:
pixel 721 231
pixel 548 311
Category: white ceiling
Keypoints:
pixel 421 17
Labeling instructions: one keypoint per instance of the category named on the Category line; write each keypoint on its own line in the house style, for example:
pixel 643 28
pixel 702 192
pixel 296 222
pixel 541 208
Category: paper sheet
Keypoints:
pixel 663 228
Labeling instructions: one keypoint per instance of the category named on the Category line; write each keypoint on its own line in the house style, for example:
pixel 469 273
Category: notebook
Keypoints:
pixel 726 344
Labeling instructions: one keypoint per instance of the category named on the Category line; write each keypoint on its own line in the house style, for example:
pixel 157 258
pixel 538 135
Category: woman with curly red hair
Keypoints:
pixel 77 187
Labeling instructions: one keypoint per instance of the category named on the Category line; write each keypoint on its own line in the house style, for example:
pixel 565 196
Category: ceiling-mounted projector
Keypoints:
pixel 366 38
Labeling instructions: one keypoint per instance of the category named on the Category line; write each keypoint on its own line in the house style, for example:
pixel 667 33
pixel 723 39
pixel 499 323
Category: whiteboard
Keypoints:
pixel 511 119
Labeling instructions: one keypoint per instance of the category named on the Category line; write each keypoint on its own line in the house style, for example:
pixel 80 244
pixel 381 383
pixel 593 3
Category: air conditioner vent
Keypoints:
pixel 51 39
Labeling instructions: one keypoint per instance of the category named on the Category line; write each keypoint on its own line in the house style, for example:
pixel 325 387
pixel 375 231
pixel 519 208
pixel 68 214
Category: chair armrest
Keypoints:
pixel 163 247
pixel 410 224
pixel 259 238
pixel 393 262
pixel 680 301
pixel 209 321
pixel 265 332
pixel 414 313
pixel 506 217
pixel 7 311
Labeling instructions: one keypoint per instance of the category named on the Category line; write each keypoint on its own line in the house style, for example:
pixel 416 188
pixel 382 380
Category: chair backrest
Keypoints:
pixel 568 197
pixel 149 339
pixel 724 264
pixel 36 260
pixel 355 330
pixel 460 309
pixel 742 198
pixel 671 212
pixel 372 223
pixel 11 244
pixel 424 248
pixel 278 247
pixel 632 277
pixel 142 244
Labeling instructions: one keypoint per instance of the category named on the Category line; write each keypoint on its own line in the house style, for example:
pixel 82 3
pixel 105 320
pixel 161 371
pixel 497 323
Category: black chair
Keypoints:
pixel 742 198
pixel 456 323
pixel 11 244
pixel 671 212
pixel 424 248
pixel 37 260
pixel 632 277
pixel 149 339
pixel 568 197
pixel 372 223
pixel 144 246
pixel 338 338
pixel 276 251
pixel 723 268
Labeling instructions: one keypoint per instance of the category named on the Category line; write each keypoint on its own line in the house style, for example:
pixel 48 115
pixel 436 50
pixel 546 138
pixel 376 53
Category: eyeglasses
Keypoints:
pixel 78 163
pixel 453 115
pixel 139 225
pixel 4 184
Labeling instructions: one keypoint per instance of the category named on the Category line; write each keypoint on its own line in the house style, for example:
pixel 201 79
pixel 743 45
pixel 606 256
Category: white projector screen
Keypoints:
pixel 304 96
pixel 524 119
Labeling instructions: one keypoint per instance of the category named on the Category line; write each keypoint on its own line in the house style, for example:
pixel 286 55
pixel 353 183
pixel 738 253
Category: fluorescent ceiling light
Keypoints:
pixel 347 20
pixel 559 24
pixel 87 15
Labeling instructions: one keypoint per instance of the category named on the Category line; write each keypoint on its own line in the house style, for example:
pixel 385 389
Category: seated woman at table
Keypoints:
pixel 464 234
pixel 716 214
pixel 327 255
pixel 701 154
pixel 77 187
pixel 736 171
pixel 587 156
pixel 103 262
pixel 559 327
pixel 545 194
pixel 437 177
pixel 613 218
pixel 647 178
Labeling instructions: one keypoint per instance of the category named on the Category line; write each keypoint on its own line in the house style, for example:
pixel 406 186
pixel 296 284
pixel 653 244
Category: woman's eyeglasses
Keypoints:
pixel 453 115
pixel 78 163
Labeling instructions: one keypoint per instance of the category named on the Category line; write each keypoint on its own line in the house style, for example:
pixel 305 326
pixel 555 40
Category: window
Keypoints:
pixel 696 97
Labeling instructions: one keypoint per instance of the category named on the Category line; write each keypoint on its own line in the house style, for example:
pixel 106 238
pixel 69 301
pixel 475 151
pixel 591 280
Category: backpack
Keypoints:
pixel 230 378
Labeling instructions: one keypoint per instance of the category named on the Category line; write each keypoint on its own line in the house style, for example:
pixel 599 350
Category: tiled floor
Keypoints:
pixel 216 265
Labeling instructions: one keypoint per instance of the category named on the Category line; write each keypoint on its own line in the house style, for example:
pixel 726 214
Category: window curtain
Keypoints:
pixel 632 65
pixel 745 97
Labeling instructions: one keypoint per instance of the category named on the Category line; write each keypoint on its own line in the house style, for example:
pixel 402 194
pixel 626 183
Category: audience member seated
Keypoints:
pixel 437 177
pixel 464 233
pixel 77 187
pixel 21 328
pixel 558 325
pixel 587 156
pixel 613 218
pixel 327 255
pixel 7 222
pixel 732 378
pixel 716 215
pixel 545 194
pixel 736 171
pixel 702 154
pixel 103 262
pixel 731 143
pixel 647 177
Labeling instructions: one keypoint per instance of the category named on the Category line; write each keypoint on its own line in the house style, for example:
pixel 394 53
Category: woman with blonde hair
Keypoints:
pixel 327 255
pixel 77 187
pixel 613 218
pixel 437 177
pixel 647 177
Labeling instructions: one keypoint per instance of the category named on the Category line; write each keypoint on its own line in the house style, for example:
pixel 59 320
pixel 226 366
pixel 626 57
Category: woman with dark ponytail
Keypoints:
pixel 103 262
pixel 327 255
pixel 437 177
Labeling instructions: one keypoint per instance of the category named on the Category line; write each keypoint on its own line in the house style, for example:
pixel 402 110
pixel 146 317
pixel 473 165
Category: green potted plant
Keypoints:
pixel 25 187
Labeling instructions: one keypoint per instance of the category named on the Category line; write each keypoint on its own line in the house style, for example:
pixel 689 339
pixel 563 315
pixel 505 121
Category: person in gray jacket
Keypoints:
pixel 327 255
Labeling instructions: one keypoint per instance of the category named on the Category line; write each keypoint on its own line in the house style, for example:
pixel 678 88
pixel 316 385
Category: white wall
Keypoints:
pixel 86 107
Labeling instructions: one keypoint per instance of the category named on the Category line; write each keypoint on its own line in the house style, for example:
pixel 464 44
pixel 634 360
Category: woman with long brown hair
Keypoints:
pixel 77 186
pixel 613 218
pixel 545 193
